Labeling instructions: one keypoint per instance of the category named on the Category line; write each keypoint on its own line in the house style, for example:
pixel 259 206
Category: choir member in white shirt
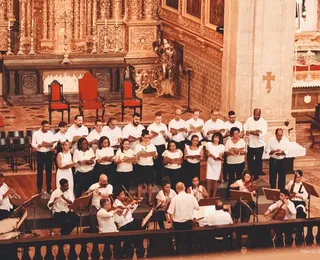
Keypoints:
pixel 62 134
pixel 5 204
pixel 181 212
pixel 84 158
pixel 197 190
pixel 213 125
pixel 235 150
pixel 124 164
pixel 60 203
pixel 277 148
pixel 77 130
pixel 42 142
pixel 95 135
pixel 177 130
pixel 159 133
pixel 146 152
pixel 193 154
pixel 218 217
pixel 113 132
pixel 64 163
pixel 232 122
pixel 215 152
pixel 133 130
pixel 104 160
pixel 99 190
pixel 192 125
pixel 164 198
pixel 172 160
pixel 255 129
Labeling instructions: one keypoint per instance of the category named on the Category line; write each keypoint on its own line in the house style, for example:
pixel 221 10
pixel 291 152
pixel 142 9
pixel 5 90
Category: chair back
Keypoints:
pixel 128 91
pixel 88 88
pixel 55 92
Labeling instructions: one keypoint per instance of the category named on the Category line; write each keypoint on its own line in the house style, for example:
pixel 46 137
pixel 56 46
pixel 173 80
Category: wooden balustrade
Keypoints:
pixel 92 246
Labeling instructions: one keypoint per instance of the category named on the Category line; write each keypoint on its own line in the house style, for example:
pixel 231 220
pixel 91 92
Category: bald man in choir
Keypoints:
pixel 255 129
pixel 60 203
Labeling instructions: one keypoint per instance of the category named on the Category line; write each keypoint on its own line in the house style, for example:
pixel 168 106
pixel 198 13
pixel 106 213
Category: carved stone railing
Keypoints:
pixel 92 246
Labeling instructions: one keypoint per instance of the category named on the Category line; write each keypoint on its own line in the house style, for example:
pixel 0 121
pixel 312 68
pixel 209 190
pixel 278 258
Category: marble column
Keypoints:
pixel 117 9
pixel 259 38
pixel 134 9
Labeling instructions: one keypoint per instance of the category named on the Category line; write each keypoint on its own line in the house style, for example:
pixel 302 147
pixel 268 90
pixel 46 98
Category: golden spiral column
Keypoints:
pixel 117 9
pixel 149 9
pixel 51 20
pixel 88 18
pixel 45 20
pixel 134 9
pixel 76 19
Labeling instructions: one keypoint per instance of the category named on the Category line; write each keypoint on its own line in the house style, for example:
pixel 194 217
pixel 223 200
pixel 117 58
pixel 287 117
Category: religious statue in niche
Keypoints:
pixel 217 12
pixel 173 3
pixel 194 8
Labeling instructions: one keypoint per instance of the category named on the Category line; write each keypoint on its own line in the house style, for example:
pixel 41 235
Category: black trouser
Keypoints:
pixel 123 178
pixel 189 171
pixel 82 181
pixel 254 157
pixel 174 175
pixel 67 221
pixel 161 217
pixel 183 241
pixel 127 244
pixel 93 219
pixel 245 212
pixel 277 167
pixel 158 164
pixel 108 170
pixel 234 169
pixel 4 214
pixel 44 160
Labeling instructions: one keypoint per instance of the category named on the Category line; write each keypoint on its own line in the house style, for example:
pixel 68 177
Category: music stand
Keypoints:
pixel 81 204
pixel 311 191
pixel 208 201
pixel 241 196
pixel 271 194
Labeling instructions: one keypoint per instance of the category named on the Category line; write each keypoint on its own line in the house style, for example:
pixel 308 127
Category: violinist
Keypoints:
pixel 105 216
pixel 245 184
pixel 197 190
pixel 164 197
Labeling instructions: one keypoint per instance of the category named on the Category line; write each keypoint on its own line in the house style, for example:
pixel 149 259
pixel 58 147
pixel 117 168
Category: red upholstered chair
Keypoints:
pixel 89 97
pixel 129 98
pixel 57 101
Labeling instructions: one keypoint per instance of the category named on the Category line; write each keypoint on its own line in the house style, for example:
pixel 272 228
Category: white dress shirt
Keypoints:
pixel 105 151
pixel 210 125
pixel 77 131
pixel 159 139
pixel 181 136
pixel 182 207
pixel 96 196
pixel 197 123
pixel 290 209
pixel 81 156
pixel 252 125
pixel 134 131
pixel 60 205
pixel 124 220
pixel 235 159
pixel 241 186
pixel 5 203
pixel 193 152
pixel 38 137
pixel 299 189
pixel 106 221
pixel 114 135
pixel 94 135
pixel 173 155
pixel 60 136
pixel 228 125
pixel 219 217
pixel 274 144
pixel 162 197
pixel 124 167
pixel 145 161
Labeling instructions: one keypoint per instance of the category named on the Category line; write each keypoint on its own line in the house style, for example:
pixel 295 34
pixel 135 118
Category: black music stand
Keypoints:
pixel 80 204
pixel 311 191
pixel 241 196
pixel 271 194
pixel 208 201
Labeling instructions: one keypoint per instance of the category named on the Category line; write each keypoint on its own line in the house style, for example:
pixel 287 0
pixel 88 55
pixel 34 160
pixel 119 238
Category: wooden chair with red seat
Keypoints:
pixel 129 98
pixel 89 97
pixel 57 101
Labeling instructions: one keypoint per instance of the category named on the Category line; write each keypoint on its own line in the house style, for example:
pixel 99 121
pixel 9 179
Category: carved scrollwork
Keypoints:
pixel 29 82
pixel 103 80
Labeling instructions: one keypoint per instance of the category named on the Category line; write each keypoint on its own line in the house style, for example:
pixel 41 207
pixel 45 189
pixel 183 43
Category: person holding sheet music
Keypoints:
pixel 62 134
pixel 146 152
pixel 60 203
pixel 84 158
pixel 193 154
pixel 77 130
pixel 235 150
pixel 178 131
pixel 158 133
pixel 113 132
pixel 42 142
pixel 213 125
pixel 172 160
pixel 104 159
pixel 124 160
pixel 95 135
pixel 133 130
pixel 197 190
pixel 195 126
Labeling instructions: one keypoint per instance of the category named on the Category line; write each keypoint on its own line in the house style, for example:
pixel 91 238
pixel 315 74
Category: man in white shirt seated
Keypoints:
pixel 255 129
pixel 178 131
pixel 77 129
pixel 113 132
pixel 181 212
pixel 219 217
pixel 62 134
pixel 195 126
pixel 133 130
pixel 99 190
pixel 5 204
pixel 213 125
pixel 277 148
pixel 42 142
pixel 60 203
pixel 95 134
pixel 105 217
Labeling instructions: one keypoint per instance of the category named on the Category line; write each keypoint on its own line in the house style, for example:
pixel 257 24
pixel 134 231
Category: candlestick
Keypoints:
pixel 105 37
pixel 9 52
pixel 116 38
pixel 20 52
pixel 66 59
pixel 32 40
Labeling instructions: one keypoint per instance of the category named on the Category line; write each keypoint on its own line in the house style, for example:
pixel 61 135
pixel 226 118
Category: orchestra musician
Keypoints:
pixel 60 203
pixel 245 184
pixel 5 204
pixel 197 190
pixel 164 198
pixel 99 190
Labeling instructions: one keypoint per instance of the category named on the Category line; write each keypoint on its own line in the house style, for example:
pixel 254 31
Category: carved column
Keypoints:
pixel 89 15
pixel 94 13
pixel 2 9
pixel 82 20
pixel 76 19
pixel 45 20
pixel 149 9
pixel 104 6
pixel 29 18
pixel 51 20
pixel 10 14
pixel 117 9
pixel 23 17
pixel 134 9
pixel 318 15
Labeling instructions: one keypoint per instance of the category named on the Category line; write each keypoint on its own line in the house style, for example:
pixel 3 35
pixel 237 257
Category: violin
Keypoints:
pixel 250 185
